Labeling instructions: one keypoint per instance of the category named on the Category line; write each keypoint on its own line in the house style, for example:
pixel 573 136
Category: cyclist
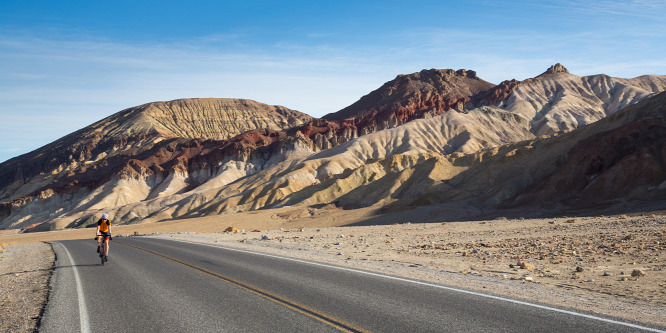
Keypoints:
pixel 103 232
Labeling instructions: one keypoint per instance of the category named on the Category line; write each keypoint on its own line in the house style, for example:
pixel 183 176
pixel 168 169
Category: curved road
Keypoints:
pixel 154 285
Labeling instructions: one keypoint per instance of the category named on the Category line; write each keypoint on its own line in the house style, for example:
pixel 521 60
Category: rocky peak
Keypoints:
pixel 410 96
pixel 555 69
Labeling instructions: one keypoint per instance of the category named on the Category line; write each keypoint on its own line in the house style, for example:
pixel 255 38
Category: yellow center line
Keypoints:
pixel 325 318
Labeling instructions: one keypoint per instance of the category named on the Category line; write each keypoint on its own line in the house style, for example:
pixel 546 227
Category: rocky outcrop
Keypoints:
pixel 424 94
pixel 555 69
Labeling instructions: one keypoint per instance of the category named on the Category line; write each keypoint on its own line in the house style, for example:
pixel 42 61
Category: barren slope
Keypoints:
pixel 438 137
pixel 557 100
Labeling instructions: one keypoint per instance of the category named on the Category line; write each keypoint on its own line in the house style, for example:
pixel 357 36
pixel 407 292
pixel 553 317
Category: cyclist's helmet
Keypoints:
pixel 105 216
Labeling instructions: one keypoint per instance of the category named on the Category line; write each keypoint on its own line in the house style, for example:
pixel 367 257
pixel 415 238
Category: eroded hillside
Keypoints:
pixel 441 138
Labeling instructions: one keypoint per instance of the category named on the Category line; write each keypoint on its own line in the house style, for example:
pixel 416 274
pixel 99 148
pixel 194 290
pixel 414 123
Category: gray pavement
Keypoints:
pixel 152 285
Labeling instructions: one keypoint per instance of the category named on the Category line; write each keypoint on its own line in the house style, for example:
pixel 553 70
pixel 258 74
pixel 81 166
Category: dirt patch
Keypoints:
pixel 25 270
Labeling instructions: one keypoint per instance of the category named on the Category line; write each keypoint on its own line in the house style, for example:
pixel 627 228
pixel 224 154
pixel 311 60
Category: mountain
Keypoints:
pixel 84 160
pixel 439 138
pixel 615 165
pixel 407 97
pixel 557 100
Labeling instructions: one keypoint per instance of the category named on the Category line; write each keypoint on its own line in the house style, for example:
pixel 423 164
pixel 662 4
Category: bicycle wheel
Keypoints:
pixel 101 254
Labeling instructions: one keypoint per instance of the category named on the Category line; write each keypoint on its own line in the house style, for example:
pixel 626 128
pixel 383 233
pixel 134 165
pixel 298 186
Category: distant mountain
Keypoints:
pixel 407 97
pixel 439 138
pixel 557 100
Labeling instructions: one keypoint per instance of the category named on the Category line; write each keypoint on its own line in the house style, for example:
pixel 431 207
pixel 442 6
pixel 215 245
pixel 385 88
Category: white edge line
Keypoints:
pixel 543 307
pixel 83 310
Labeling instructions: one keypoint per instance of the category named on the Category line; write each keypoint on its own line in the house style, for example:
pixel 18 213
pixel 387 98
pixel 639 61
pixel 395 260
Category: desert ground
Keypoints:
pixel 610 265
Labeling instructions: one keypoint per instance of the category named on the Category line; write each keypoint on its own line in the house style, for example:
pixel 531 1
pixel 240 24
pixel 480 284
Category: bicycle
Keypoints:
pixel 102 248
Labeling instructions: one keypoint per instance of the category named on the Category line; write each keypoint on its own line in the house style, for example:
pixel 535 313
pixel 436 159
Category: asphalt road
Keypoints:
pixel 152 285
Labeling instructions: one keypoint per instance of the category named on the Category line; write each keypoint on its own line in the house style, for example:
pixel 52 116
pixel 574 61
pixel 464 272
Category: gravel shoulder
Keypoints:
pixel 25 270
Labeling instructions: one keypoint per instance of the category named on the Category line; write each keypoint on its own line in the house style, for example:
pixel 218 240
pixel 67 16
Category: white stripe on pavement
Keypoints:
pixel 83 310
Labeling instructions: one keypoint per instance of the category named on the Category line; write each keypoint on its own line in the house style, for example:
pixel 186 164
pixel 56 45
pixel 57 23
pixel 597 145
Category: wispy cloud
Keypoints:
pixel 51 86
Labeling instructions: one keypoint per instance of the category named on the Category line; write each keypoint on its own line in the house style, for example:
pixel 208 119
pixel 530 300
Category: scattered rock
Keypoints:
pixel 579 269
pixel 526 265
pixel 231 229
pixel 608 274
pixel 638 273
pixel 528 279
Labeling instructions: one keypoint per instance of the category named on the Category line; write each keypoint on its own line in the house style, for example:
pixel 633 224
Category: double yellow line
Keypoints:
pixel 327 319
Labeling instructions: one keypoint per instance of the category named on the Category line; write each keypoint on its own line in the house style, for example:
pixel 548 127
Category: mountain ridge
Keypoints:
pixel 430 123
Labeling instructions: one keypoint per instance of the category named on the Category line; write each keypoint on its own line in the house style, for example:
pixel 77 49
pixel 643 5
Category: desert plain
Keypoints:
pixel 607 265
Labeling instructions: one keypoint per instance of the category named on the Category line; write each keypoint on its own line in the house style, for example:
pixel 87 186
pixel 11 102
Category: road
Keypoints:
pixel 155 285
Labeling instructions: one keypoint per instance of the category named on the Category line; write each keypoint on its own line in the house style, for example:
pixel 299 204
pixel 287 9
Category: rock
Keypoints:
pixel 231 229
pixel 638 273
pixel 265 237
pixel 526 265
pixel 555 69
pixel 529 279
pixel 579 269
pixel 607 274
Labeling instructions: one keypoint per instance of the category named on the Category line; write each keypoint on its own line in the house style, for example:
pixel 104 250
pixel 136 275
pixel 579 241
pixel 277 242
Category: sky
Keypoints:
pixel 67 64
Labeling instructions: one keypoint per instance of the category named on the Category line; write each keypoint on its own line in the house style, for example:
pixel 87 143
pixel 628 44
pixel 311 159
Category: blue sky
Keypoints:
pixel 66 64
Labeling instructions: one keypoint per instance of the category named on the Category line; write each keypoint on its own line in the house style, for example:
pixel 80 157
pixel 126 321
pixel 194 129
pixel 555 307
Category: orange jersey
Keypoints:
pixel 103 225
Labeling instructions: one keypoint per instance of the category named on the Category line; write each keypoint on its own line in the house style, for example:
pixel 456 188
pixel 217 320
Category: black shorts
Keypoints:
pixel 104 235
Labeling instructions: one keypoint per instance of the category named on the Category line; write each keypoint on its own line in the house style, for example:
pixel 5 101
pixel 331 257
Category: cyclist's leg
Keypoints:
pixel 106 245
